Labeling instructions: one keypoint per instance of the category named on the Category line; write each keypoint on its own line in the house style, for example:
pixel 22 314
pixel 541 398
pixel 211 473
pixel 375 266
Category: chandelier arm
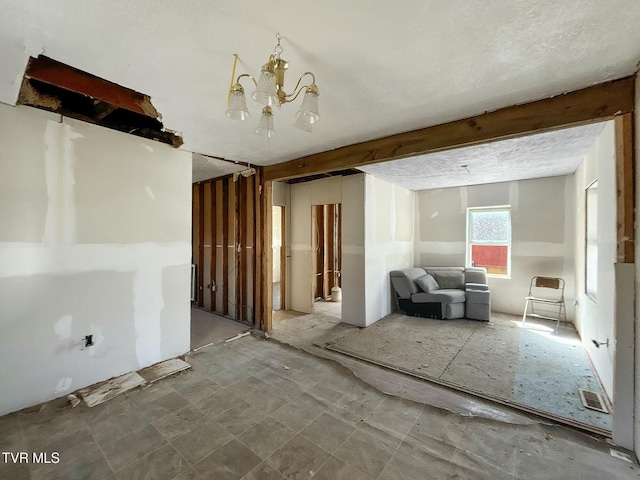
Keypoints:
pixel 296 92
pixel 233 74
pixel 247 75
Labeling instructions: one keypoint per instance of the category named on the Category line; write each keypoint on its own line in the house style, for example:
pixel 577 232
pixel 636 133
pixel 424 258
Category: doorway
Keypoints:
pixel 326 224
pixel 278 236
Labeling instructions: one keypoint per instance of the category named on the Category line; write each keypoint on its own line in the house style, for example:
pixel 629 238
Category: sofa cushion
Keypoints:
pixel 449 279
pixel 403 281
pixel 427 283
pixel 442 296
pixel 475 275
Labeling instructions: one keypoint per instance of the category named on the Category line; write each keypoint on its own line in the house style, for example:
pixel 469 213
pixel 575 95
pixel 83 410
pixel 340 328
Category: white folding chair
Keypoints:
pixel 546 293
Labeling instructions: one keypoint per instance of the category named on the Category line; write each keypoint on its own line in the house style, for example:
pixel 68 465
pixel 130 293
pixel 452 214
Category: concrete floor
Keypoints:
pixel 533 366
pixel 209 328
pixel 258 410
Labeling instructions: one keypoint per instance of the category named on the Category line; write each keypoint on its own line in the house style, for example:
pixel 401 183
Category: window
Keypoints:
pixel 489 239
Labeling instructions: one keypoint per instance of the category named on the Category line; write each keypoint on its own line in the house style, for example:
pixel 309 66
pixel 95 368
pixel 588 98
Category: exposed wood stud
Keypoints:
pixel 625 188
pixel 239 247
pixel 259 241
pixel 224 283
pixel 251 238
pixel 206 266
pixel 267 255
pixel 214 245
pixel 592 104
pixel 200 266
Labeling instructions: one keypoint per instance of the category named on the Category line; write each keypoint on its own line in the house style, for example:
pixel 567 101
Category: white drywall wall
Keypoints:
pixel 389 238
pixel 542 226
pixel 94 239
pixel 595 317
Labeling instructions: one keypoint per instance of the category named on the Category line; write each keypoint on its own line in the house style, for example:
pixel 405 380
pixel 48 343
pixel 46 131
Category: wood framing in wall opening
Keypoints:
pixel 625 188
pixel 226 231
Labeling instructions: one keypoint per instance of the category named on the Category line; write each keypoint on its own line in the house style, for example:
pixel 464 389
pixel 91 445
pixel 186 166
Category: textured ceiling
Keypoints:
pixel 382 67
pixel 535 156
pixel 204 168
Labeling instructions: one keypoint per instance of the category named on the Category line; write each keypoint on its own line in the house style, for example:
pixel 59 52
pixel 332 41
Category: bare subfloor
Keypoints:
pixel 256 409
pixel 531 365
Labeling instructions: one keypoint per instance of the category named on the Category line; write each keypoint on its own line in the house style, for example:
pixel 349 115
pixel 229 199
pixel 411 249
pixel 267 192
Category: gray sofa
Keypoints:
pixel 457 292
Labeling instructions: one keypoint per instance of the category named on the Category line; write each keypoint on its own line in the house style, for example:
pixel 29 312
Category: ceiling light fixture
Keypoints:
pixel 270 91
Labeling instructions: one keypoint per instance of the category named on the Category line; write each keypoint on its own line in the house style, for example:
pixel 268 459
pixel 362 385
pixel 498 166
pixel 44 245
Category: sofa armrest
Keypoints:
pixel 476 286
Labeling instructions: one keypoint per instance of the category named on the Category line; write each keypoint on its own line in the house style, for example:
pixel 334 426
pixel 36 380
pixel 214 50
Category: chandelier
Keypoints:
pixel 270 91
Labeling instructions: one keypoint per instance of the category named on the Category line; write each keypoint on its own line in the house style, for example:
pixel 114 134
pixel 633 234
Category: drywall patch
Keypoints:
pixel 147 189
pixel 434 214
pixel 148 148
pixel 59 157
pixel 63 327
pixel 64 385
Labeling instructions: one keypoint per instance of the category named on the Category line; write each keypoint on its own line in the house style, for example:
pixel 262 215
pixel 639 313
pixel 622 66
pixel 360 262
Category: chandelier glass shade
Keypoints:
pixel 270 92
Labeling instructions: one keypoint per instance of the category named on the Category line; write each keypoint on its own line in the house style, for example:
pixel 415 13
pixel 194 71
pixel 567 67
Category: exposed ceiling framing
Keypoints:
pixel 54 86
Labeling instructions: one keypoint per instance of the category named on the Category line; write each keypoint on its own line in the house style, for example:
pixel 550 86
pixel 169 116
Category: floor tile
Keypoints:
pixel 38 434
pixel 299 412
pixel 435 435
pixel 14 471
pixel 298 459
pixel 199 390
pixel 488 448
pixel 264 471
pixel 328 432
pixel 164 405
pixel 68 449
pixel 92 466
pixel 266 437
pixel 249 387
pixel 202 441
pixel 325 394
pixel 162 464
pixel 190 474
pixel 180 422
pixel 335 469
pixel 230 462
pixel 292 388
pixel 403 466
pixel 396 416
pixel 219 403
pixel 240 418
pixel 133 446
pixel 149 393
pixel 125 421
pixel 365 452
pixel 270 399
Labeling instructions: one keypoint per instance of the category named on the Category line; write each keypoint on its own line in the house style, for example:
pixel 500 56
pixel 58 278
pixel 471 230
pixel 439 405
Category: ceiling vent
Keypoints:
pixel 54 86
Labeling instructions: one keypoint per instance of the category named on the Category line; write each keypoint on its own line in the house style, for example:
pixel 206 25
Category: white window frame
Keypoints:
pixel 468 243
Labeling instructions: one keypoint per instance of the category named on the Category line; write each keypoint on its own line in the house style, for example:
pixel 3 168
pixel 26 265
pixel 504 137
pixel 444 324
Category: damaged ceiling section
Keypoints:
pixel 56 87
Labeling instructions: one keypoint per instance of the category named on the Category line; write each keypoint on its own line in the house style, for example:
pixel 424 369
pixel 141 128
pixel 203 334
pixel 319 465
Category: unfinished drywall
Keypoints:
pixel 349 191
pixel 389 238
pixel 542 226
pixel 595 316
pixel 94 240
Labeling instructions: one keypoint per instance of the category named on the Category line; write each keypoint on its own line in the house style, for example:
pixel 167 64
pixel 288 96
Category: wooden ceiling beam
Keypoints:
pixel 55 73
pixel 597 103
